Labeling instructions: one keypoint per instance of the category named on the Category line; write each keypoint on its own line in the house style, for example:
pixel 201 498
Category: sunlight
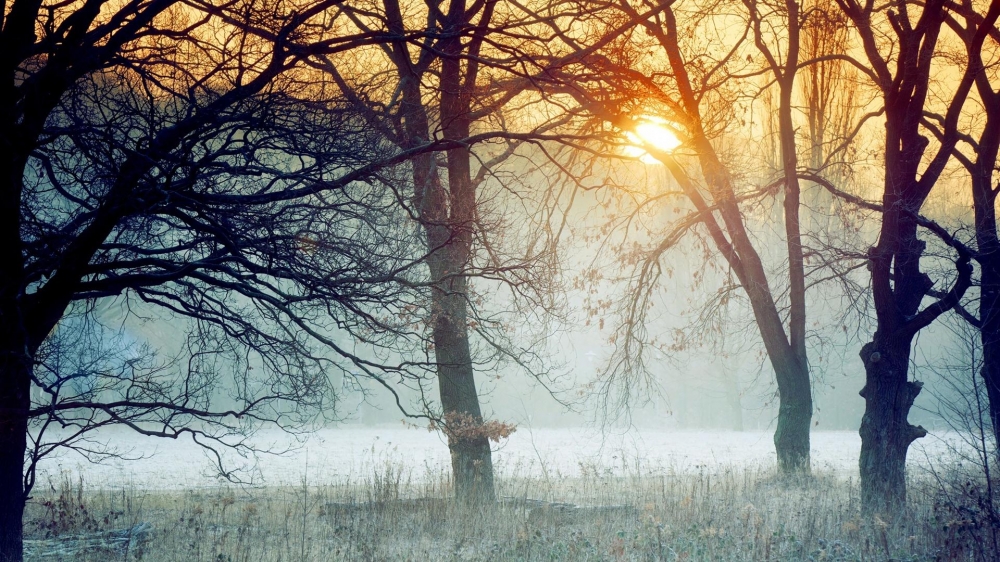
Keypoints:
pixel 651 134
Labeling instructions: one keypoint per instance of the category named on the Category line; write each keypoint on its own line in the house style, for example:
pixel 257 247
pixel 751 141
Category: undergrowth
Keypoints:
pixel 738 515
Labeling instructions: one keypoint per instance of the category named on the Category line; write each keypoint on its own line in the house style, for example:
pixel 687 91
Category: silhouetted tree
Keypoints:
pixel 901 46
pixel 978 153
pixel 180 156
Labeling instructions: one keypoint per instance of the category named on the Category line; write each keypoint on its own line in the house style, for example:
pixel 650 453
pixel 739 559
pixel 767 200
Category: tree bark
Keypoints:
pixel 886 434
pixel 989 299
pixel 15 359
pixel 471 457
pixel 988 244
pixel 13 444
pixel 15 385
pixel 989 333
pixel 791 436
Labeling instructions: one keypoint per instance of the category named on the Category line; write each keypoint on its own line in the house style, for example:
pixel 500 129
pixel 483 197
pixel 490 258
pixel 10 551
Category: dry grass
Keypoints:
pixel 742 514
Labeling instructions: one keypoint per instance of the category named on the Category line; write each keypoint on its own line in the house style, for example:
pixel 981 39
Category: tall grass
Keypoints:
pixel 620 514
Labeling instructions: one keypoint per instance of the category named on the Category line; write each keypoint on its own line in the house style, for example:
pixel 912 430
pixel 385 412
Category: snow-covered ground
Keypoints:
pixel 353 453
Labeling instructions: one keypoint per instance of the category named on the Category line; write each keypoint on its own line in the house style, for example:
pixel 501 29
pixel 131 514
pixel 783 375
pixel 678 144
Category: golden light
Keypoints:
pixel 650 134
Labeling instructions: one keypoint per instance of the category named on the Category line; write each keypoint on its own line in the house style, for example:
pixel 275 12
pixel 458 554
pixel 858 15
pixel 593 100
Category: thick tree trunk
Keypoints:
pixel 14 404
pixel 991 379
pixel 989 330
pixel 791 437
pixel 989 327
pixel 15 359
pixel 984 205
pixel 13 443
pixel 886 434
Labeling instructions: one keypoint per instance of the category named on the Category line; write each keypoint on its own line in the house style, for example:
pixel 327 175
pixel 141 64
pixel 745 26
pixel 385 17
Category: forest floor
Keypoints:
pixel 742 514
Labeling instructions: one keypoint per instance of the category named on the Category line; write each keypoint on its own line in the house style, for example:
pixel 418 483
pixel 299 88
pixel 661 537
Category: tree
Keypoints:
pixel 447 215
pixel 454 71
pixel 690 90
pixel 791 364
pixel 976 28
pixel 902 70
pixel 179 156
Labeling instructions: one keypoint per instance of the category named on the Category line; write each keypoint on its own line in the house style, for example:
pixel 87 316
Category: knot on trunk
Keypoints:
pixel 910 391
pixel 870 355
pixel 964 265
pixel 914 432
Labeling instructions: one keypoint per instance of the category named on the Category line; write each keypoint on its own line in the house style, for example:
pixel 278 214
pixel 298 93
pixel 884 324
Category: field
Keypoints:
pixel 392 505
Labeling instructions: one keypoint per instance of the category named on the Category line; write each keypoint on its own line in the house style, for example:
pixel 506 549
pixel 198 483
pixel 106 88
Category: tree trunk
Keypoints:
pixel 14 403
pixel 991 375
pixel 984 206
pixel 15 360
pixel 471 458
pixel 787 353
pixel 885 432
pixel 446 216
pixel 791 437
pixel 989 317
pixel 898 285
pixel 471 461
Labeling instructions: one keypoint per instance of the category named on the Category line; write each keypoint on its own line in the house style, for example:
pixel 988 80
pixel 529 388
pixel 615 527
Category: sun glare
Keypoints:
pixel 650 135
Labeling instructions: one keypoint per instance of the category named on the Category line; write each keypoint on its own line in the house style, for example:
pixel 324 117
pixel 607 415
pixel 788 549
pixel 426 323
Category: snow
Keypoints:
pixel 354 453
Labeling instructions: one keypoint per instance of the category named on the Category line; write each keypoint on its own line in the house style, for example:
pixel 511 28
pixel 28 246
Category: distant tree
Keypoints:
pixel 827 85
pixel 690 86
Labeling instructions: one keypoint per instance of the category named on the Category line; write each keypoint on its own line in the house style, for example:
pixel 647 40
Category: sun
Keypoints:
pixel 651 133
pixel 657 136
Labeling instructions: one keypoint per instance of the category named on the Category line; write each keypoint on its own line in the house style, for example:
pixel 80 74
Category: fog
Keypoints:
pixel 711 403
pixel 353 454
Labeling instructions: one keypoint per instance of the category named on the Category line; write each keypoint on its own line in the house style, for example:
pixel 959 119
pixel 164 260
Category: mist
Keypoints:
pixel 495 280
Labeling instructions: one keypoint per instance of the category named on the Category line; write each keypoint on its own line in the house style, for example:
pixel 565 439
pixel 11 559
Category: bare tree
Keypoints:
pixel 180 156
pixel 978 32
pixel 900 43
pixel 692 90
pixel 966 483
pixel 455 67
